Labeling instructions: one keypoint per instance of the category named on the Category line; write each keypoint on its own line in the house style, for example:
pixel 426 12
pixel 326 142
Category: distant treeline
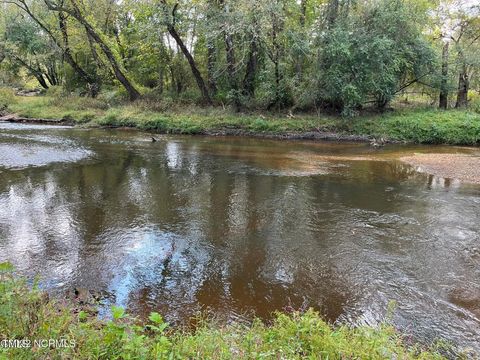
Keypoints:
pixel 340 55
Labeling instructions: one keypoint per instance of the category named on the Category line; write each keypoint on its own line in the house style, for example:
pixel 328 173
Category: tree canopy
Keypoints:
pixel 340 55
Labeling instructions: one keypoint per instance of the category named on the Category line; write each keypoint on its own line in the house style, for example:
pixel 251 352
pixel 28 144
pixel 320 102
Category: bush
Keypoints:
pixel 112 97
pixel 56 91
pixel 475 101
pixel 366 57
pixel 7 97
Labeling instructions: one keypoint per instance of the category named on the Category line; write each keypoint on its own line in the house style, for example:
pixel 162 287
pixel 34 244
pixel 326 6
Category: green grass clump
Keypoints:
pixel 455 127
pixel 7 97
pixel 421 125
pixel 27 313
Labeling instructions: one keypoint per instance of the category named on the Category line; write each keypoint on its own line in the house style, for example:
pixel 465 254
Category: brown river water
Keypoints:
pixel 243 227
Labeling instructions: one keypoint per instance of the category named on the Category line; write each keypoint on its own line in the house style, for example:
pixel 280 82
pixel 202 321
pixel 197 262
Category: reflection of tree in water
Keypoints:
pixel 179 230
pixel 247 264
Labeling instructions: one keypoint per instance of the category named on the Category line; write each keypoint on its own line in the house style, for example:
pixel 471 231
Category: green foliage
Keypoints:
pixel 24 48
pixel 368 57
pixel 475 102
pixel 340 56
pixel 26 313
pixel 57 92
pixel 7 98
pixel 455 127
pixel 425 126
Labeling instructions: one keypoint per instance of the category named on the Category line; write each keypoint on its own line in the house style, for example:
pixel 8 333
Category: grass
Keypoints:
pixel 418 125
pixel 27 314
pixel 424 126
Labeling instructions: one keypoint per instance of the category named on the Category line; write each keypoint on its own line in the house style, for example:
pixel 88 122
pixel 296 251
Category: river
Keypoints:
pixel 242 227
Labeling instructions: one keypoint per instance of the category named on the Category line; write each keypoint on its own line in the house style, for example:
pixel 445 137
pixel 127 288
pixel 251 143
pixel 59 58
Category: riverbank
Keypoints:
pixel 422 126
pixel 28 314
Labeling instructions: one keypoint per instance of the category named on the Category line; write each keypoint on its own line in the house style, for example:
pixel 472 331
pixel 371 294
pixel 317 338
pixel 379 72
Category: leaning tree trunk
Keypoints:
pixel 35 71
pixel 92 83
pixel 67 55
pixel 191 61
pixel 133 93
pixel 41 80
pixel 443 99
pixel 463 87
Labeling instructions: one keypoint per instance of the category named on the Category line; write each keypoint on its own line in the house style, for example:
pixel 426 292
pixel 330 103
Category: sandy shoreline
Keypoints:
pixel 463 167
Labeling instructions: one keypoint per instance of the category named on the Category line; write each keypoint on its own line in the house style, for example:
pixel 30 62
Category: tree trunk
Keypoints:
pixel 332 13
pixel 41 80
pixel 463 87
pixel 211 60
pixel 35 71
pixel 65 47
pixel 443 99
pixel 252 62
pixel 212 11
pixel 251 70
pixel 173 80
pixel 92 83
pixel 275 57
pixel 277 82
pixel 133 93
pixel 51 74
pixel 231 70
pixel 191 61
pixel 161 76
pixel 95 56
pixel 299 62
pixel 230 55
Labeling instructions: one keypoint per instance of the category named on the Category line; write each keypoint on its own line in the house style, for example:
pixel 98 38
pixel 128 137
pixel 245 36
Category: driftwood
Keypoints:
pixel 13 118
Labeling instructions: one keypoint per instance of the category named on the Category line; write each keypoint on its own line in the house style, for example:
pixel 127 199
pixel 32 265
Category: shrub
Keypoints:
pixel 112 97
pixel 7 97
pixel 475 101
pixel 366 57
pixel 56 92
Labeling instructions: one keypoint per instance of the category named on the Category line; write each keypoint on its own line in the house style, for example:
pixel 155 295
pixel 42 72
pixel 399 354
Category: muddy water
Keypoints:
pixel 242 227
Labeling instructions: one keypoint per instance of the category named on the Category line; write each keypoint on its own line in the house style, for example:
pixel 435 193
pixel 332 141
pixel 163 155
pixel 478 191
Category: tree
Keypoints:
pixel 465 38
pixel 75 11
pixel 25 46
pixel 335 55
pixel 371 56
pixel 443 98
pixel 63 45
pixel 171 27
